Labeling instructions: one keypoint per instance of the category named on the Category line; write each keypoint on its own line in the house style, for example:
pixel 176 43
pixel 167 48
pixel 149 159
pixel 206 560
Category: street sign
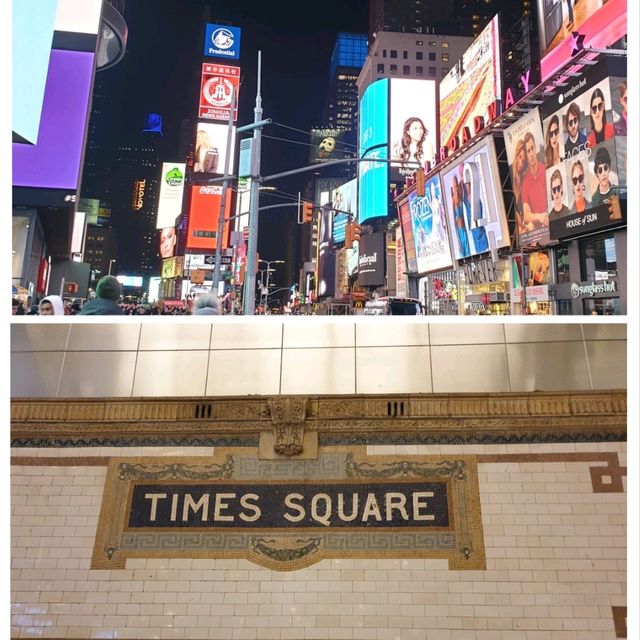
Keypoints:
pixel 208 259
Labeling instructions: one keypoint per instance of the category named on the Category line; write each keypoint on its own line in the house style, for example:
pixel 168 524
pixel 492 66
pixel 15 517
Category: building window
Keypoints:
pixel 393 68
pixel 432 43
pixel 393 53
pixel 563 273
pixel 432 57
pixel 445 45
pixel 405 55
pixel 419 55
pixel 384 53
pixel 432 72
pixel 598 259
pixel 380 68
pixel 444 72
pixel 444 57
pixel 406 70
pixel 420 71
pixel 419 43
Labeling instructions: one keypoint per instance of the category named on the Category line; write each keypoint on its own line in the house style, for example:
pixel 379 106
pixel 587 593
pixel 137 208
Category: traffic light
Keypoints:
pixel 348 235
pixel 356 230
pixel 420 188
pixel 307 212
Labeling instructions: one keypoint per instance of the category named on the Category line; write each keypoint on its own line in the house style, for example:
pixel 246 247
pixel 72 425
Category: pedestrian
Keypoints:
pixel 206 305
pixel 17 309
pixel 51 306
pixel 108 291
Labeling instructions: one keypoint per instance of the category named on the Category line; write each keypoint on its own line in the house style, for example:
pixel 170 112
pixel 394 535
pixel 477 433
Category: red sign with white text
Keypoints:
pixel 203 217
pixel 217 83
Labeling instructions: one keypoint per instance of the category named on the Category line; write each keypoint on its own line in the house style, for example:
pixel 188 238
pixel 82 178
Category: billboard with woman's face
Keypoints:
pixel 475 209
pixel 211 148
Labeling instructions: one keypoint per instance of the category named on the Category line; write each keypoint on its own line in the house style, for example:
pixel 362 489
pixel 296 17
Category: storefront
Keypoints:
pixel 484 287
pixel 438 293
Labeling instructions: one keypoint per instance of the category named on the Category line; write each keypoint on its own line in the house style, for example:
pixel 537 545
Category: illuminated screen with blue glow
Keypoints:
pixel 343 202
pixel 373 142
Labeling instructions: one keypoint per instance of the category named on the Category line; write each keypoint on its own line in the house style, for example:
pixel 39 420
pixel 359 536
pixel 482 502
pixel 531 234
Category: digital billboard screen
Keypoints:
pixel 329 144
pixel 344 202
pixel 217 83
pixel 171 190
pixel 412 125
pixel 599 23
pixel 429 224
pixel 475 208
pixel 585 155
pixel 371 260
pixel 326 271
pixel 204 213
pixel 54 161
pixel 211 148
pixel 404 216
pixel 472 85
pixel 374 116
pixel 524 144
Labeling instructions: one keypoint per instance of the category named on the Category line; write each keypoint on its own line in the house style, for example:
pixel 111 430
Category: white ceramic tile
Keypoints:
pixel 35 375
pixel 466 333
pixel 39 336
pixel 607 363
pixel 244 372
pixel 313 332
pixel 558 366
pixel 170 373
pixel 104 337
pixel 375 332
pixel 605 331
pixel 175 336
pixel 265 334
pixel 393 370
pixel 88 374
pixel 318 371
pixel 542 332
pixel 469 368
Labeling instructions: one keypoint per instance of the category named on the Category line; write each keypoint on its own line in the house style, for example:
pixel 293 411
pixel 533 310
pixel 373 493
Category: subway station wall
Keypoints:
pixel 276 356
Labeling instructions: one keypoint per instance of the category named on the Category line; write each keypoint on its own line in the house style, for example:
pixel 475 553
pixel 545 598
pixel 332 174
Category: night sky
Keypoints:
pixel 160 73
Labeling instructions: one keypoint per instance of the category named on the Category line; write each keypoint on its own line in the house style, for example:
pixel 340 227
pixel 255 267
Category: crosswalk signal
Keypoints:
pixel 420 186
pixel 307 212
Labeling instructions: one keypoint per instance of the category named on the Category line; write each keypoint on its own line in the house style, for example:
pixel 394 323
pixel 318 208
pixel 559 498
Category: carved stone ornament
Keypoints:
pixel 288 414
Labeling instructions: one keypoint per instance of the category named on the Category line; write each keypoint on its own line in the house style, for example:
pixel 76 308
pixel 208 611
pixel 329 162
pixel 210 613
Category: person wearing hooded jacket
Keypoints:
pixel 206 305
pixel 108 291
pixel 51 306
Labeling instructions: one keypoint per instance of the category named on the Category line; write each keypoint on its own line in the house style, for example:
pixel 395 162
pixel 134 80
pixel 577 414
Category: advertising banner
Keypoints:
pixel 326 269
pixel 222 41
pixel 171 190
pixel 585 155
pixel 371 260
pixel 91 206
pixel 54 161
pixel 401 266
pixel 524 145
pixel 216 85
pixel 373 139
pixel 344 202
pixel 211 148
pixel 475 208
pixel 472 85
pixel 404 216
pixel 412 126
pixel 429 225
pixel 563 25
pixel 168 239
pixel 329 144
pixel 537 277
pixel 203 217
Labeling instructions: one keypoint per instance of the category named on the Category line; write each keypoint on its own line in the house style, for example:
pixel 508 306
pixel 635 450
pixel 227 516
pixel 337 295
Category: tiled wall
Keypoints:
pixel 189 357
pixel 555 544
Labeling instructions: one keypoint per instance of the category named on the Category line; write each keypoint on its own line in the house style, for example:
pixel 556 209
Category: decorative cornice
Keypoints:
pixel 501 417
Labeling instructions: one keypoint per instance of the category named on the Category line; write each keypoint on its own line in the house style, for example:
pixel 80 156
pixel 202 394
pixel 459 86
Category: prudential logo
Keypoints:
pixel 222 41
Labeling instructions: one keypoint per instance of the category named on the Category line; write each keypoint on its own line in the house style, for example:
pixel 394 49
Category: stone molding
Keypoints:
pixel 548 416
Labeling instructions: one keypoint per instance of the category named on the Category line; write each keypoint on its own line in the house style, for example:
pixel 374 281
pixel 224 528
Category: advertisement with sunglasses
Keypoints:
pixel 584 154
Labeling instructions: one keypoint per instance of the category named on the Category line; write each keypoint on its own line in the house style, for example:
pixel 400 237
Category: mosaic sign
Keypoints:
pixel 286 515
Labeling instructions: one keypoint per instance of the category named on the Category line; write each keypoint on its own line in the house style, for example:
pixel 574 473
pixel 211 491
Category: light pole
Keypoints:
pixel 268 270
pixel 110 263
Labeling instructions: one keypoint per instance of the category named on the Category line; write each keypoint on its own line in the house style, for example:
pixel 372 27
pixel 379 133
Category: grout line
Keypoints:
pixel 586 357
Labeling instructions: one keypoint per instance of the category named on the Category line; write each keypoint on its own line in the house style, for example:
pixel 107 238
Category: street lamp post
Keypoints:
pixel 110 263
pixel 268 271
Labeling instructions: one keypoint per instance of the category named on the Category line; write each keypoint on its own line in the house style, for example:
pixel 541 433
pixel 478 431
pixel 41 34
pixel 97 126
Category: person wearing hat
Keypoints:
pixel 105 304
pixel 51 306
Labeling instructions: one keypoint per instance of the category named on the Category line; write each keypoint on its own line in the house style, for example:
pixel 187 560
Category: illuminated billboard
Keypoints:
pixel 91 206
pixel 329 144
pixel 326 259
pixel 344 202
pixel 404 216
pixel 373 140
pixel 171 191
pixel 222 41
pixel 598 25
pixel 54 161
pixel 216 86
pixel 211 148
pixel 472 86
pixel 371 260
pixel 585 154
pixel 412 126
pixel 524 144
pixel 168 241
pixel 429 225
pixel 204 213
pixel 475 208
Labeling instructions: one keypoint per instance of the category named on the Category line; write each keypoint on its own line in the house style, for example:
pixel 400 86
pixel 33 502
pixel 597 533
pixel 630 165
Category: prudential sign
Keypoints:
pixel 222 41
